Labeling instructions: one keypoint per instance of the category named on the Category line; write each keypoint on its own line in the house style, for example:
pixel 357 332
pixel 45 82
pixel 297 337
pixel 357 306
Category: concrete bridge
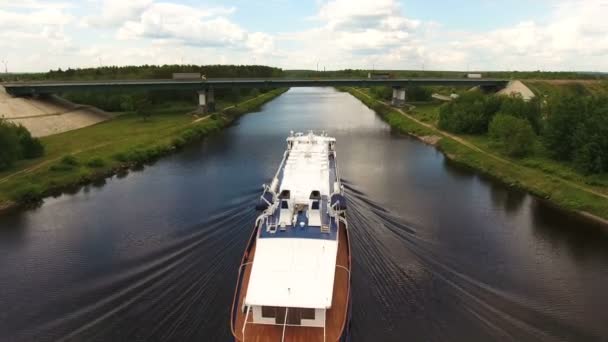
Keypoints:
pixel 205 88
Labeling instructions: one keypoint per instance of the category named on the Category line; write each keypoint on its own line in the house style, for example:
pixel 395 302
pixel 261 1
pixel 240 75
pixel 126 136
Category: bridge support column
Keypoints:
pixel 398 97
pixel 206 101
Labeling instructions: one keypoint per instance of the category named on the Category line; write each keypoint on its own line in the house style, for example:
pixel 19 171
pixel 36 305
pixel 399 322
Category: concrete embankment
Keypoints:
pixel 48 115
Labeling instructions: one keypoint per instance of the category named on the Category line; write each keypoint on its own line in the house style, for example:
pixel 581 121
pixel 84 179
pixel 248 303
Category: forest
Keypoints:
pixel 566 127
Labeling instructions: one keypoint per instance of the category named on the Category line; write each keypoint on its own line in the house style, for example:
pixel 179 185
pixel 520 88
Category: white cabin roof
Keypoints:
pixel 307 167
pixel 297 272
pixel 291 272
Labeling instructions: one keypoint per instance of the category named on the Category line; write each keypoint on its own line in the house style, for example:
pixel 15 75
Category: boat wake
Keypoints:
pixel 180 291
pixel 401 276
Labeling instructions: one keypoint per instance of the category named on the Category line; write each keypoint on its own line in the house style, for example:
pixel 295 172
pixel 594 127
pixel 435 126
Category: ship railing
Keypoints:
pixel 285 324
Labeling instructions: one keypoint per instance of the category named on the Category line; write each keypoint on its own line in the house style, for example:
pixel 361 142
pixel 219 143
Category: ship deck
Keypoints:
pixel 336 318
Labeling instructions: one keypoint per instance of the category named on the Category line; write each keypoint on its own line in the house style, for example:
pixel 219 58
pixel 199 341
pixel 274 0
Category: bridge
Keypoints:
pixel 205 87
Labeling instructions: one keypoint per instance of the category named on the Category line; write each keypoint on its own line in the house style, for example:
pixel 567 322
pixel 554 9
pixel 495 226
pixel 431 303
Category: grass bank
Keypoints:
pixel 549 181
pixel 93 153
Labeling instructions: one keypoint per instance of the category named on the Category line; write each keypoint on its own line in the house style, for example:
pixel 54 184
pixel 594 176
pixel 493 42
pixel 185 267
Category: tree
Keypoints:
pixel 590 139
pixel 565 114
pixel 9 145
pixel 516 106
pixel 16 143
pixel 469 114
pixel 414 93
pixel 30 147
pixel 514 135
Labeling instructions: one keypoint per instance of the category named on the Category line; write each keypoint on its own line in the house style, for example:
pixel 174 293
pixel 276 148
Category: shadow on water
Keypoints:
pixel 587 241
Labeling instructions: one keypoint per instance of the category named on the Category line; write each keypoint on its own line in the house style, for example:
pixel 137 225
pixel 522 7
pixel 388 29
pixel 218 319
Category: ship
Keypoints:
pixel 294 279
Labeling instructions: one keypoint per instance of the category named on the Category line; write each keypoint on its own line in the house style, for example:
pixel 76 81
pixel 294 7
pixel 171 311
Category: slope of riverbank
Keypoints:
pixel 93 153
pixel 48 115
pixel 569 194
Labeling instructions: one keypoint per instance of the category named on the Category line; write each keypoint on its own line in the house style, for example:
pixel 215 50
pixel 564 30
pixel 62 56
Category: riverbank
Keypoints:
pixel 96 152
pixel 567 194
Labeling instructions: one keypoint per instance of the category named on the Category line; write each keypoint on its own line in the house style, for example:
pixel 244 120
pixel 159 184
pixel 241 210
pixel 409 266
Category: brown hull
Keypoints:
pixel 337 316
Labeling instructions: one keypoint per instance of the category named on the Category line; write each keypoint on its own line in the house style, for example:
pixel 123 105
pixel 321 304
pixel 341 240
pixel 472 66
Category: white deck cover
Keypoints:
pixel 297 272
pixel 293 273
pixel 307 167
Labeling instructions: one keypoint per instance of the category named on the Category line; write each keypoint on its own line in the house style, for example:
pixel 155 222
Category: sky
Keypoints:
pixel 38 35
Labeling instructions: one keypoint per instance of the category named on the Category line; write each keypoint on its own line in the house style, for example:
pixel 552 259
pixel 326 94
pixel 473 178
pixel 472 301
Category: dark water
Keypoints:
pixel 439 253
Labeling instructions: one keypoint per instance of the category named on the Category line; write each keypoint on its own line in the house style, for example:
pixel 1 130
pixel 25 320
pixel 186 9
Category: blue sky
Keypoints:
pixel 37 35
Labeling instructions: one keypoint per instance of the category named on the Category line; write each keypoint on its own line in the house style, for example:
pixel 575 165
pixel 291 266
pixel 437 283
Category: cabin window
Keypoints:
pixel 280 316
pixel 307 313
pixel 294 315
pixel 284 205
pixel 315 205
pixel 269 311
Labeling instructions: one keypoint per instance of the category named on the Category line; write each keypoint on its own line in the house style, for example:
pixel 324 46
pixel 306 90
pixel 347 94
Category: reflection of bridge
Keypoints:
pixel 205 87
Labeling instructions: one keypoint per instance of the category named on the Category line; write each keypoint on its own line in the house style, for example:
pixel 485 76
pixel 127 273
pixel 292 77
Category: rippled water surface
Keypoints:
pixel 439 253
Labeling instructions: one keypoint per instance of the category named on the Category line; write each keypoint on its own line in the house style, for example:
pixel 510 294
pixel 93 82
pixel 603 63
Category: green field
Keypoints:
pixel 541 176
pixel 94 152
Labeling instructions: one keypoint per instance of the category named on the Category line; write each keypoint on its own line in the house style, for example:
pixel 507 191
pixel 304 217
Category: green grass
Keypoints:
pixel 390 115
pixel 536 174
pixel 82 155
pixel 552 88
pixel 427 113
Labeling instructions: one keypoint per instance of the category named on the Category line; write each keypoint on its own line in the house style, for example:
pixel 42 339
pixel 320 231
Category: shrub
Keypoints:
pixel 178 142
pixel 16 143
pixel 60 167
pixel 514 135
pixel 95 163
pixel 9 145
pixel 30 147
pixel 28 194
pixel 69 160
pixel 121 156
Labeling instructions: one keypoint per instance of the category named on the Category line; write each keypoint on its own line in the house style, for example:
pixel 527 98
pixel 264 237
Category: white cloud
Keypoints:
pixel 183 24
pixel 360 34
pixel 198 27
pixel 44 28
pixel 116 12
pixel 36 34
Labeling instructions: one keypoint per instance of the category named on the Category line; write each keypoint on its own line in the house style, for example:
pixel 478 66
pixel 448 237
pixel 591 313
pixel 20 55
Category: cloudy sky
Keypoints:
pixel 37 35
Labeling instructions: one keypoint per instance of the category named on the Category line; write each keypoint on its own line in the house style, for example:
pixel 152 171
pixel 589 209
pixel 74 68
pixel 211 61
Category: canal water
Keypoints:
pixel 439 253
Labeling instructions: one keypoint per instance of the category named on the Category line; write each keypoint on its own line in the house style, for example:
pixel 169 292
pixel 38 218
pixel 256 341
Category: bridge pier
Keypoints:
pixel 206 100
pixel 398 97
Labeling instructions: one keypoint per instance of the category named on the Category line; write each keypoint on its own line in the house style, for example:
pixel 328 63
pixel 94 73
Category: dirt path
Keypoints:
pixel 477 149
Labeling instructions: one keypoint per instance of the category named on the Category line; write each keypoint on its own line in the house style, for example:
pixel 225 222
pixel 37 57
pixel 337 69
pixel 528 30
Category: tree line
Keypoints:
pixel 570 127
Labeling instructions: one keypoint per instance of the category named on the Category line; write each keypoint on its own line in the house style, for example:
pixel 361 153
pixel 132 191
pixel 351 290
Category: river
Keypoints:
pixel 439 253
